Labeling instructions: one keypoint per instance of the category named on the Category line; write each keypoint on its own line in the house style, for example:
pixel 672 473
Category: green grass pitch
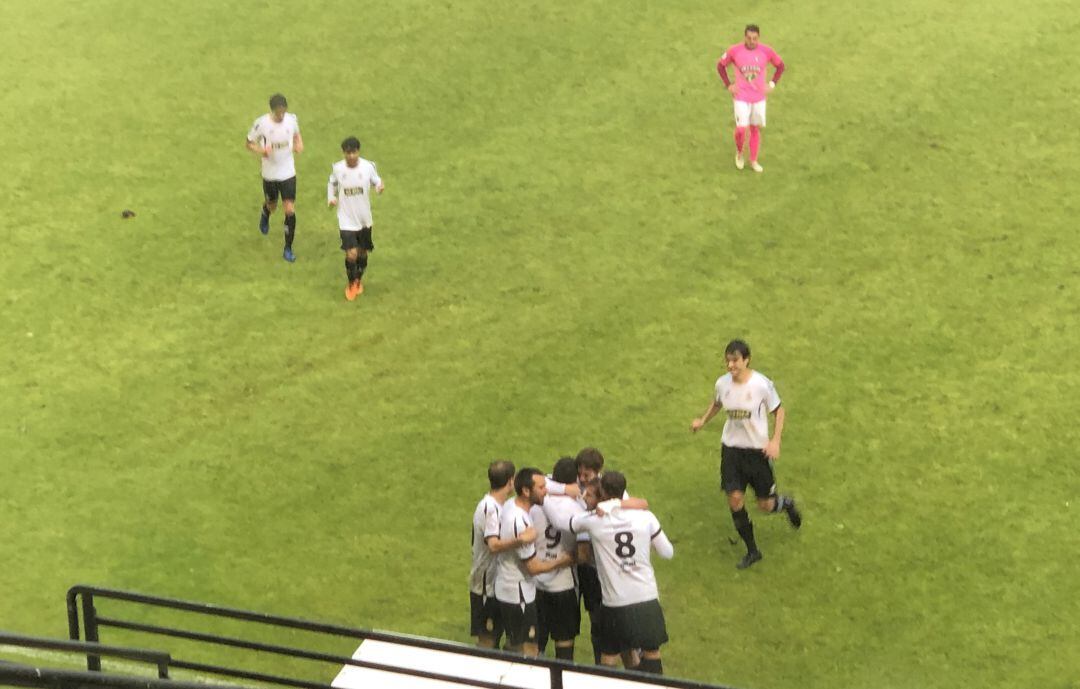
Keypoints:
pixel 564 247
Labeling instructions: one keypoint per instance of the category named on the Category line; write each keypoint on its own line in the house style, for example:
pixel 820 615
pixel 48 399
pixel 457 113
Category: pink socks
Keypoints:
pixel 755 141
pixel 740 138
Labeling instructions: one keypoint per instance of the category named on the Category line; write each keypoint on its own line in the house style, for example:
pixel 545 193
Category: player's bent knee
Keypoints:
pixel 735 501
pixel 765 505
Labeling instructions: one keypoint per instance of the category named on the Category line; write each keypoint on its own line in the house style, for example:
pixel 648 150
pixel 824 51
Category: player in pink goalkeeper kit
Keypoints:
pixel 751 60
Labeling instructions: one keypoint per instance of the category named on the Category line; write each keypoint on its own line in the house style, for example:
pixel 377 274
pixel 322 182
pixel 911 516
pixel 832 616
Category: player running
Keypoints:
pixel 276 137
pixel 349 190
pixel 746 449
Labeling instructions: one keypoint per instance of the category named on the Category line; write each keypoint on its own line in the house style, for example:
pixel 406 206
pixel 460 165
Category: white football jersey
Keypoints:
pixel 622 545
pixel 279 165
pixel 747 407
pixel 513 583
pixel 352 187
pixel 552 541
pixel 485 523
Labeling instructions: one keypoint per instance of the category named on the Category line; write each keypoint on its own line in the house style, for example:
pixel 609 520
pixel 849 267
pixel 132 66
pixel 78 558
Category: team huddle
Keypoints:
pixel 569 538
pixel 576 537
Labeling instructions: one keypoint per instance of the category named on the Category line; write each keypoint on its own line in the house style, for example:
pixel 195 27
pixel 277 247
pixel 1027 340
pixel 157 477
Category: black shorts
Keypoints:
pixel 640 625
pixel 485 616
pixel 589 583
pixel 356 239
pixel 740 466
pixel 558 615
pixel 285 188
pixel 519 622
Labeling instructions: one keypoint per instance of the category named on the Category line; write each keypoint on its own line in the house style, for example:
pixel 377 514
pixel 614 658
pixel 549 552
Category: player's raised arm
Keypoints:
pixel 558 488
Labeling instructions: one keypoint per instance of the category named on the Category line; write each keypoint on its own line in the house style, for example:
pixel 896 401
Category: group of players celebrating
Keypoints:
pixel 569 538
pixel 577 537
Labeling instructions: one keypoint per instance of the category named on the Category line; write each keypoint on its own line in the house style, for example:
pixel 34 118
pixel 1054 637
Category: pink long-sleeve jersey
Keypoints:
pixel 751 78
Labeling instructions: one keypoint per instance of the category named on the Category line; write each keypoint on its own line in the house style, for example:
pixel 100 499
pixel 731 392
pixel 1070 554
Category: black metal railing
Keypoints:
pixel 19 675
pixel 93 622
pixel 157 658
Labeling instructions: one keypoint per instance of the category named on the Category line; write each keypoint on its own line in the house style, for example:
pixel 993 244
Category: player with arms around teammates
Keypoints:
pixel 349 189
pixel 622 540
pixel 750 88
pixel 515 578
pixel 746 450
pixel 485 623
pixel 558 612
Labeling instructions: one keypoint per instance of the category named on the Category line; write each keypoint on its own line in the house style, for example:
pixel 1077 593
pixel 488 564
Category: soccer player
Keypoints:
pixel 746 449
pixel 276 136
pixel 515 578
pixel 557 608
pixel 589 463
pixel 349 189
pixel 622 540
pixel 486 544
pixel 750 88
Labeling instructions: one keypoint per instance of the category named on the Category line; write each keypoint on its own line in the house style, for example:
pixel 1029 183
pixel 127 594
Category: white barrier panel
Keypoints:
pixel 503 672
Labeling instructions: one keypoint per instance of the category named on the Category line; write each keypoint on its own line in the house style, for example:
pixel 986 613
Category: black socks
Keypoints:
pixel 351 270
pixel 653 665
pixel 564 653
pixel 745 529
pixel 361 264
pixel 290 229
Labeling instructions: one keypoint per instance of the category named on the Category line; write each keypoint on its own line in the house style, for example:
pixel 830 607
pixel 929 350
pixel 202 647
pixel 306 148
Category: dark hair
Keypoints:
pixel 565 470
pixel 524 479
pixel 751 27
pixel 351 144
pixel 738 347
pixel 612 484
pixel 499 473
pixel 278 101
pixel 590 458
